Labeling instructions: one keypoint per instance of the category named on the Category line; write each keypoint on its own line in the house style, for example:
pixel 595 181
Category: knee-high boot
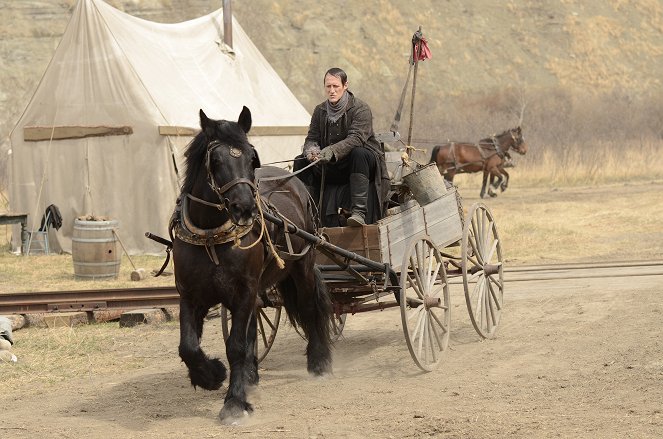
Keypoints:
pixel 359 196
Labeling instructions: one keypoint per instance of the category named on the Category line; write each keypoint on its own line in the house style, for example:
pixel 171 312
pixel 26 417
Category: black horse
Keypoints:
pixel 225 252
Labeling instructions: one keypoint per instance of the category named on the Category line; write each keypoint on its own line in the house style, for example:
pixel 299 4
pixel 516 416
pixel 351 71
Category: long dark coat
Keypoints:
pixel 357 126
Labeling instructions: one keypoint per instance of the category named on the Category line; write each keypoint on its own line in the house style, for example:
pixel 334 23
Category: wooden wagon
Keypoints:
pixel 406 260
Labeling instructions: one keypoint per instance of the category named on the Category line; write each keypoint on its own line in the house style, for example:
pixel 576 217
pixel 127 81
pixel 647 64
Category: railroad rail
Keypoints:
pixel 156 297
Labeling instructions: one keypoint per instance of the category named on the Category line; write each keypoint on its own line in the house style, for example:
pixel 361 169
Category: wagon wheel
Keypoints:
pixel 424 301
pixel 338 323
pixel 482 270
pixel 268 319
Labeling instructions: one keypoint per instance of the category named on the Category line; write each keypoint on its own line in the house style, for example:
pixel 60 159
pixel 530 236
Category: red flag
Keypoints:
pixel 420 50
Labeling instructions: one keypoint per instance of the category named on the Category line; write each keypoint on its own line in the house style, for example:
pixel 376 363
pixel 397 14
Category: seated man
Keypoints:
pixel 341 138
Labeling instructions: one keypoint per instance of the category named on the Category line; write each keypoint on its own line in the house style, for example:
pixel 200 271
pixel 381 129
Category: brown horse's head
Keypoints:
pixel 519 145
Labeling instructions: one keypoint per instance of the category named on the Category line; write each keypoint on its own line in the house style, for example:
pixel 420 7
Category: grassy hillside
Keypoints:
pixel 579 72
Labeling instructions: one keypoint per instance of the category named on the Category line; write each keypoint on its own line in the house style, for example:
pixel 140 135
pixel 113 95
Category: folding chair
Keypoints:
pixel 37 241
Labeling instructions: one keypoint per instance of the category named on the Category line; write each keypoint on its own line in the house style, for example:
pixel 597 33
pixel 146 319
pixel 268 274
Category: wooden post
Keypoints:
pixel 414 89
pixel 227 23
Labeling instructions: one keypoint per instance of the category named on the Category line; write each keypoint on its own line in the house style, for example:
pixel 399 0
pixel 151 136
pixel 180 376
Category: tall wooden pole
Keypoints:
pixel 414 89
pixel 227 23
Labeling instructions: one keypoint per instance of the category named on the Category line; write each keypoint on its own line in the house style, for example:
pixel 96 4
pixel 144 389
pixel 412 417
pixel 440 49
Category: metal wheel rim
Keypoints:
pixel 267 320
pixel 482 267
pixel 424 302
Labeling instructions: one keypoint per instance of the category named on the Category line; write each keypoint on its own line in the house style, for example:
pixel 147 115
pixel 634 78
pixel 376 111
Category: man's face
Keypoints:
pixel 334 88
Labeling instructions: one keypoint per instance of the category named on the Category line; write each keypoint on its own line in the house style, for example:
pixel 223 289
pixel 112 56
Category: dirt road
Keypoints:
pixel 573 358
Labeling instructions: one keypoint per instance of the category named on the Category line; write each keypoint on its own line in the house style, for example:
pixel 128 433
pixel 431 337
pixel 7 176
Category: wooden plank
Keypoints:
pixel 171 130
pixel 440 220
pixel 177 131
pixel 364 241
pixel 37 134
pixel 443 222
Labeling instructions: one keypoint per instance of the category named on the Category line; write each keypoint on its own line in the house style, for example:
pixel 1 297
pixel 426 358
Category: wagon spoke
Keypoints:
pixel 423 336
pixel 479 296
pixel 431 341
pixel 498 302
pixel 265 333
pixel 430 276
pixel 478 255
pixel 488 311
pixel 497 283
pixel 439 323
pixel 431 281
pixel 417 278
pixel 415 287
pixel 473 237
pixel 267 319
pixel 486 237
pixel 491 253
pixel 261 326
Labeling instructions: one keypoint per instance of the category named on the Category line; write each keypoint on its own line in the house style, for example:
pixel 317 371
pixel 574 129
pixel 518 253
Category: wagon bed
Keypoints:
pixel 406 260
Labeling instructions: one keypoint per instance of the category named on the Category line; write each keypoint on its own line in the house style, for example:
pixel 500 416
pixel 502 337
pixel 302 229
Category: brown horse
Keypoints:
pixel 488 155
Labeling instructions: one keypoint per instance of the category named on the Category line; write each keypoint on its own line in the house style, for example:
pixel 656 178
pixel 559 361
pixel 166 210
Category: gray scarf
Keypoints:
pixel 335 111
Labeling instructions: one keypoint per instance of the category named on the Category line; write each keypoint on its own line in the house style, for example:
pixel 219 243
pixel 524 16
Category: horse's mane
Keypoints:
pixel 226 132
pixel 490 139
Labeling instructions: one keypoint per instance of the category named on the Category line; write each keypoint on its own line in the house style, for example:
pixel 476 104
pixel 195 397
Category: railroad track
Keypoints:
pixel 156 297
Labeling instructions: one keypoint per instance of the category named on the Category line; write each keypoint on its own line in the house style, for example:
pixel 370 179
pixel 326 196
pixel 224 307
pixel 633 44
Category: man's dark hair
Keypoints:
pixel 339 73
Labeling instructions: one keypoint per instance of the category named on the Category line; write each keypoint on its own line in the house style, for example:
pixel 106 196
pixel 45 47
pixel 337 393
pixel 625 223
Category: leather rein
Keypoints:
pixel 183 228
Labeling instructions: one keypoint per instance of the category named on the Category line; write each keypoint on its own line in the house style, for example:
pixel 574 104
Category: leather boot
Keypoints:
pixel 359 196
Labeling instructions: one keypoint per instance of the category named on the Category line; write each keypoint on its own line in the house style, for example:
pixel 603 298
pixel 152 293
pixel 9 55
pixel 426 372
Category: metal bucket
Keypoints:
pixel 94 249
pixel 426 184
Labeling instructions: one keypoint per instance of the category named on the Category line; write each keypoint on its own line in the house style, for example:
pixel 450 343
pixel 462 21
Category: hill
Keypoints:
pixel 570 68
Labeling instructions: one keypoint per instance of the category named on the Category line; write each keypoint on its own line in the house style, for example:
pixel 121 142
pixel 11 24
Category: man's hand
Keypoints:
pixel 312 154
pixel 326 155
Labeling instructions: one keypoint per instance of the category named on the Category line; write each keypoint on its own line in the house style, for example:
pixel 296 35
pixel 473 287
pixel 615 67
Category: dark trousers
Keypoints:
pixel 359 161
pixel 336 193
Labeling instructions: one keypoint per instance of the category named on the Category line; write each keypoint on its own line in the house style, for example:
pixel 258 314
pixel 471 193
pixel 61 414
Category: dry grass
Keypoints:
pixel 583 204
pixel 48 356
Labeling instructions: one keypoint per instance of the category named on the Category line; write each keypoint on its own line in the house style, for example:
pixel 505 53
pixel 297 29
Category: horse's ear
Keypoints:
pixel 206 124
pixel 256 159
pixel 244 120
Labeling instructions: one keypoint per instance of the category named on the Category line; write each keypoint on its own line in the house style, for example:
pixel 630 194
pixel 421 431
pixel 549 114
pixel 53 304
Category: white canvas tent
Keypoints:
pixel 118 103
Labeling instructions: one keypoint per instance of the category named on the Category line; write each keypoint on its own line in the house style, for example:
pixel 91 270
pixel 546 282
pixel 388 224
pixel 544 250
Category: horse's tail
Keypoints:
pixel 433 155
pixel 317 314
pixel 311 311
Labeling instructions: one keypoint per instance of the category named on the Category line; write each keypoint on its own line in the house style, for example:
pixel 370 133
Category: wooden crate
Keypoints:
pixel 388 239
pixel 440 220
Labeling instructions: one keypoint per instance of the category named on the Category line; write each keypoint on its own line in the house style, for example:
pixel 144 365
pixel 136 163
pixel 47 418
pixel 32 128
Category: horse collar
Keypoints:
pixel 186 231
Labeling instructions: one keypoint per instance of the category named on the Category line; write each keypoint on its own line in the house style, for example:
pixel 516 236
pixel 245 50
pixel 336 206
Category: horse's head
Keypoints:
pixel 519 145
pixel 230 162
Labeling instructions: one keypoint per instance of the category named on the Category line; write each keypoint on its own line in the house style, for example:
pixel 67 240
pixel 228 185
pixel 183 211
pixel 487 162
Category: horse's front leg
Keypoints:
pixel 505 180
pixel 243 367
pixel 482 194
pixel 204 372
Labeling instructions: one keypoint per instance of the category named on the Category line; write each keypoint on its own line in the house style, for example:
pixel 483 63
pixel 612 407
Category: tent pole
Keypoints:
pixel 227 23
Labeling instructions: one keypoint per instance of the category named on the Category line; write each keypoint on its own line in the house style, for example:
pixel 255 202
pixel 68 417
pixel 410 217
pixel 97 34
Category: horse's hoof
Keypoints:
pixel 492 195
pixel 209 375
pixel 235 413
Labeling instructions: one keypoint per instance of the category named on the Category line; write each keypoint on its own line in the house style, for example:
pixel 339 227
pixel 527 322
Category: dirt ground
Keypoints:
pixel 573 358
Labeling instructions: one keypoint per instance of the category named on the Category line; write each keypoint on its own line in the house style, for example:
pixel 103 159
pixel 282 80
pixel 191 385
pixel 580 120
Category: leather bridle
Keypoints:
pixel 220 191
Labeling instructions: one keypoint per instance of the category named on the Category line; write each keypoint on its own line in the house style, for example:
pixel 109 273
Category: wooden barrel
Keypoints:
pixel 94 249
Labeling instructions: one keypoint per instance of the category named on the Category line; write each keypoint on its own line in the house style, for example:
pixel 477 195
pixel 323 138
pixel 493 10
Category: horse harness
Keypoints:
pixel 181 226
pixel 486 150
